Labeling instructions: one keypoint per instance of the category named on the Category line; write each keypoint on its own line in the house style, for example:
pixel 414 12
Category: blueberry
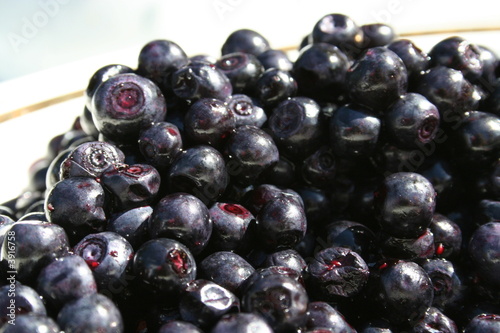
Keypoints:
pixel 34 323
pixel 377 78
pixel 447 236
pixel 91 313
pixel 279 299
pixel 245 111
pixel 242 69
pixel 250 150
pixel 197 80
pixel 339 30
pixel 336 273
pixel 17 300
pixel 131 224
pixel 201 171
pixel 78 205
pixel 317 205
pixel 29 246
pixel 204 302
pixel 241 322
pixel 183 217
pixel 483 323
pixel 354 132
pixel 131 186
pixel 483 249
pixel 416 61
pixel 164 265
pixel 260 195
pixel 179 326
pixel 323 315
pixel 160 144
pixel 54 170
pixel 64 280
pixel 274 86
pixel 377 34
pixel 437 321
pixel 209 121
pixel 286 258
pixel 457 53
pixel 281 223
pixel 352 235
pixel 297 127
pixel 232 227
pixel 245 40
pixel 158 60
pixel 405 204
pixel 108 256
pixel 320 71
pixel 420 247
pixel 125 104
pixel 275 58
pixel 101 75
pixel 412 121
pixel 226 268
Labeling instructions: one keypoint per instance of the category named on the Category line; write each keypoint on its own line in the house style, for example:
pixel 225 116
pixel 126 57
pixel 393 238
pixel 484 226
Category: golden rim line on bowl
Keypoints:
pixel 63 98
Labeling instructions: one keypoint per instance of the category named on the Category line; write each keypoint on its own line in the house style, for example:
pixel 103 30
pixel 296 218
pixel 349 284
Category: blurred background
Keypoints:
pixel 50 48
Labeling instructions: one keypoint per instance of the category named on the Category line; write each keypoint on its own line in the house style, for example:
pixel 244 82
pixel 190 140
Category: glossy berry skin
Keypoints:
pixel 476 140
pixel 131 224
pixel 241 322
pixel 198 80
pixel 183 217
pixel 377 34
pixel 164 266
pixel 90 159
pixel 377 78
pixel 101 75
pixel 274 58
pixel 336 273
pixel 54 169
pixel 201 171
pixel 339 30
pixel 279 299
pixel 281 223
pixel 232 225
pixel 264 272
pixel 447 236
pixel 447 284
pixel 131 186
pixel 435 320
pixel 260 195
pixel 449 91
pixel 56 282
pixel 108 256
pixel 242 69
pixel 273 87
pixel 458 53
pixel 354 132
pixel 245 111
pixel 320 70
pixel 26 302
pixel 204 302
pixel 404 292
pixel 416 61
pixel 126 103
pixel 420 247
pixel 158 59
pixel 78 205
pixel 245 40
pixel 317 204
pixel 32 323
pixel 411 121
pixel 323 315
pixel 352 235
pixel 225 268
pixel 160 144
pixel 250 151
pixel 405 204
pixel 280 174
pixel 35 245
pixel 286 258
pixel 297 126
pixel 484 323
pixel 484 249
pixel 92 313
pixel 208 121
pixel 179 326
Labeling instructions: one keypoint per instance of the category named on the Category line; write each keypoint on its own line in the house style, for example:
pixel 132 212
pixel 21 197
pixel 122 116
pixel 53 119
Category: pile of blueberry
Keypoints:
pixel 354 188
